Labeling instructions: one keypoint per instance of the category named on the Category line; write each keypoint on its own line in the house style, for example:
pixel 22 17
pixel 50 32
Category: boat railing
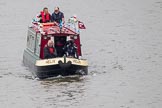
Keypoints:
pixel 71 24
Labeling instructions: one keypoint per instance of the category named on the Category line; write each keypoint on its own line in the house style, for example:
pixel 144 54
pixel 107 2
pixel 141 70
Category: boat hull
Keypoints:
pixel 45 68
pixel 55 70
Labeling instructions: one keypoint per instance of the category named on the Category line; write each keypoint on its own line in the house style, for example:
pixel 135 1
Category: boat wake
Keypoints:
pixel 59 79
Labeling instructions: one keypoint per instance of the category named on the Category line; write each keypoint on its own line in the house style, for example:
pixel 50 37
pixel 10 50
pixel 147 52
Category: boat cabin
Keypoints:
pixel 39 34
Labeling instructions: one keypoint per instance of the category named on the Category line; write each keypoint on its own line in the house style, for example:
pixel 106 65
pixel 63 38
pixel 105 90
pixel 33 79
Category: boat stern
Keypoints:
pixel 61 66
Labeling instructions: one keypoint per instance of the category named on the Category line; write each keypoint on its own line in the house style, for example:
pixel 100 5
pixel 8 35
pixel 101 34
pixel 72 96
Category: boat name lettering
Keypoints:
pixel 50 61
pixel 77 61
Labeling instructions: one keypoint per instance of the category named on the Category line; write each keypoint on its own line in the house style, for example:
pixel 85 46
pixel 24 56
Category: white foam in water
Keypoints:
pixel 94 74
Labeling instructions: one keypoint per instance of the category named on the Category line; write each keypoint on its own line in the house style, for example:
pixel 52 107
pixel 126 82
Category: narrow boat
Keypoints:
pixel 37 38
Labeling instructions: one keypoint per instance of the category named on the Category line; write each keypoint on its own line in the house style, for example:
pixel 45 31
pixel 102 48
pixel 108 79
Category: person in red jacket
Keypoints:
pixel 45 16
pixel 49 50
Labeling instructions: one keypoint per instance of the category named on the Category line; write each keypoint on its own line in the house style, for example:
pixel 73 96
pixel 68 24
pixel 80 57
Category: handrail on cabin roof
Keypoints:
pixel 52 29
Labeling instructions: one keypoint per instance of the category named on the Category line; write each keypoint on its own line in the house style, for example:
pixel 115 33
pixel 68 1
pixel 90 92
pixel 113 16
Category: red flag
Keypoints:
pixel 81 25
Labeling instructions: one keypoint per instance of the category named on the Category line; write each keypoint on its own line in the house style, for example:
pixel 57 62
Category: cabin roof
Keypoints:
pixel 52 29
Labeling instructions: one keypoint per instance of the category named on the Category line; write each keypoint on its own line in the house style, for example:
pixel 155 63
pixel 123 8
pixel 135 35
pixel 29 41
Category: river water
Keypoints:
pixel 122 42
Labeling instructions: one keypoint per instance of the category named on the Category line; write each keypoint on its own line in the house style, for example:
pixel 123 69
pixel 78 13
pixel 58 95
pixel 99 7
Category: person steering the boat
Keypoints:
pixel 57 16
pixel 44 16
pixel 49 50
pixel 70 49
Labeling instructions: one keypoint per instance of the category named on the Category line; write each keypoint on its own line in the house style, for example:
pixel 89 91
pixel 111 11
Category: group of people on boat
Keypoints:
pixel 59 49
pixel 57 16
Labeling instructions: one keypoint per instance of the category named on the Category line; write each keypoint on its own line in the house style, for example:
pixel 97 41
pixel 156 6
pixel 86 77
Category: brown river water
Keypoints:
pixel 123 45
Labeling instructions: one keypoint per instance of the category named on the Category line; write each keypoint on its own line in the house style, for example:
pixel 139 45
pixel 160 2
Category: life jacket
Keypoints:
pixel 51 50
pixel 45 18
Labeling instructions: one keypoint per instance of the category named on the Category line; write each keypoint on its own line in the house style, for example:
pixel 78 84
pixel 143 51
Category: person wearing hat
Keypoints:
pixel 57 16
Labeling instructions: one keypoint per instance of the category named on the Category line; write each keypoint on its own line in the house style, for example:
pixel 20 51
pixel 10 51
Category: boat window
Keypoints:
pixel 31 41
pixel 37 44
pixel 71 37
pixel 68 38
pixel 75 37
